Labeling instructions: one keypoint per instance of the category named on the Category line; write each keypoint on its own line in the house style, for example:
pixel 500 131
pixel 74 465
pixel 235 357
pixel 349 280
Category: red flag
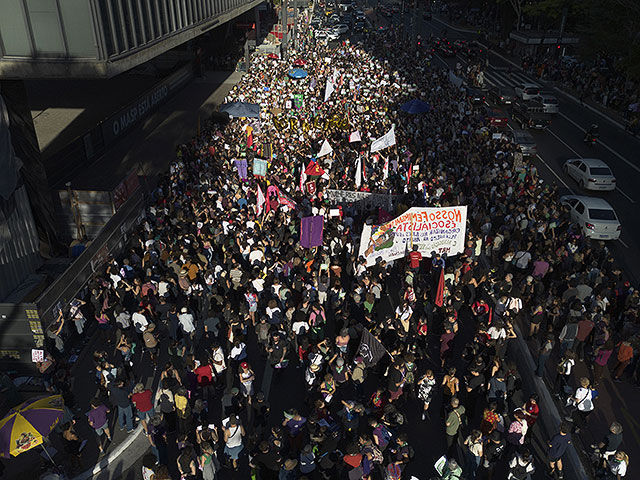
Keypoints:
pixel 250 140
pixel 313 169
pixel 409 173
pixel 440 291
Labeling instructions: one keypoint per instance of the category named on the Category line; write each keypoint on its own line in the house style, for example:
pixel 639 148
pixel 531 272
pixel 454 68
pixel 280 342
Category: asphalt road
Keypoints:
pixel 564 140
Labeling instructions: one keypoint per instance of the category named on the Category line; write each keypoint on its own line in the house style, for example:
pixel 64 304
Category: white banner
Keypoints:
pixel 432 229
pixel 361 200
pixel 387 140
pixel 355 137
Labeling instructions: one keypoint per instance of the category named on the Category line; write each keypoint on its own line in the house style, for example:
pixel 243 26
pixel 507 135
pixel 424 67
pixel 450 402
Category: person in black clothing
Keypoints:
pixel 611 442
pixel 493 451
pixel 475 388
pixel 268 461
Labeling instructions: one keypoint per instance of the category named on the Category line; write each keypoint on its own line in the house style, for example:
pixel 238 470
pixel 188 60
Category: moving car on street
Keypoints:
pixel 524 140
pixel 549 102
pixel 591 173
pixel 497 118
pixel 527 91
pixel 475 96
pixel 501 95
pixel 530 114
pixel 595 216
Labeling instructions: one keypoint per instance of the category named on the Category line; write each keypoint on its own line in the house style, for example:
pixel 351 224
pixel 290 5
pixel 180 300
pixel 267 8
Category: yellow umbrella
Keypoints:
pixel 28 424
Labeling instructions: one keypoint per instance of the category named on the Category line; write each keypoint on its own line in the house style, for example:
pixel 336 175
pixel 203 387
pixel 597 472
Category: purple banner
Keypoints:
pixel 311 230
pixel 241 165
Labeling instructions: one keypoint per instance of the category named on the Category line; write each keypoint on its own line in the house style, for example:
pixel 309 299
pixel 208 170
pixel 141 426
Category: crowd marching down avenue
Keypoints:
pixel 334 282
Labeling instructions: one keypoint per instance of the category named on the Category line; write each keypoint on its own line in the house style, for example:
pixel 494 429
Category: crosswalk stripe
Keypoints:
pixel 502 79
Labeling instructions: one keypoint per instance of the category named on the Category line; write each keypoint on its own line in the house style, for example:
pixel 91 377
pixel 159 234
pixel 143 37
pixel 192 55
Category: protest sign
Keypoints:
pixel 311 231
pixel 241 166
pixel 430 229
pixel 259 167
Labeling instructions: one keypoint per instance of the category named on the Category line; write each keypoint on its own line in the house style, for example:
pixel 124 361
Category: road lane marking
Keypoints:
pixel 623 244
pixel 555 174
pixel 579 127
pixel 564 143
pixel 625 195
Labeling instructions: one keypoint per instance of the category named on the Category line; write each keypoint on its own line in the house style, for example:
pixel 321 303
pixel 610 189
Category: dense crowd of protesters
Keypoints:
pixel 216 283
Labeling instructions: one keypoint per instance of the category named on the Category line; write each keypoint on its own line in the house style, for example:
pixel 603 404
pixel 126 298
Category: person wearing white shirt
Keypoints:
pixel 583 400
pixel 139 321
pixel 187 323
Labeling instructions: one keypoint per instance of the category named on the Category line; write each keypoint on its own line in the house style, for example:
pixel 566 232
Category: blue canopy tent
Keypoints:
pixel 297 73
pixel 415 106
pixel 241 109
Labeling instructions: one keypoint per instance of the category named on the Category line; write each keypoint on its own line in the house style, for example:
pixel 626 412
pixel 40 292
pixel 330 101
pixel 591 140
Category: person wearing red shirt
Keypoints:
pixel 414 259
pixel 142 400
pixel 205 379
pixel 531 410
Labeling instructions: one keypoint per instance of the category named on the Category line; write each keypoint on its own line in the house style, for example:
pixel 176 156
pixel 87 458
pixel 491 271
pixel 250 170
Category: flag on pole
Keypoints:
pixel 260 201
pixel 364 170
pixel 303 177
pixel 440 291
pixel 325 149
pixel 314 169
pixel 355 137
pixel 329 89
pixel 370 349
pixel 311 231
pixel 359 172
pixel 387 140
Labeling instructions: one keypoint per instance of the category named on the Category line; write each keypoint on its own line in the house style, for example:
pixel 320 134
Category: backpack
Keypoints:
pixel 149 340
pixel 182 406
pixel 166 403
pixel 519 472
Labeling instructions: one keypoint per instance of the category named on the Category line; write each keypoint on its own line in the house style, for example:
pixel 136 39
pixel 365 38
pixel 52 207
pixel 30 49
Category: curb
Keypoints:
pixel 549 414
pixel 105 461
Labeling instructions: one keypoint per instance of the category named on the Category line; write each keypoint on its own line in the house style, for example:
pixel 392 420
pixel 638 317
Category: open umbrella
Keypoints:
pixel 241 109
pixel 297 73
pixel 25 426
pixel 415 106
pixel 273 56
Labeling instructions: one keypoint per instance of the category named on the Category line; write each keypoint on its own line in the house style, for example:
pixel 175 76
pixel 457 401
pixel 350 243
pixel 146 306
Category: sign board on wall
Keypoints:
pixel 125 119
pixel 432 229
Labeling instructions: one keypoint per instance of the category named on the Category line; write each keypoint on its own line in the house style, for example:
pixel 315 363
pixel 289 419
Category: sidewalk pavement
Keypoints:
pixel 150 146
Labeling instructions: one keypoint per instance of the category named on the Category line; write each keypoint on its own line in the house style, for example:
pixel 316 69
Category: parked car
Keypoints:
pixel 530 114
pixel 591 173
pixel 527 91
pixel 595 216
pixel 524 140
pixel 341 28
pixel 501 95
pixel 549 102
pixel 497 118
pixel 475 96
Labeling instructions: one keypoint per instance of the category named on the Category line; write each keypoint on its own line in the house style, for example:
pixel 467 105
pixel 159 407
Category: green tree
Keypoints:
pixel 612 27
